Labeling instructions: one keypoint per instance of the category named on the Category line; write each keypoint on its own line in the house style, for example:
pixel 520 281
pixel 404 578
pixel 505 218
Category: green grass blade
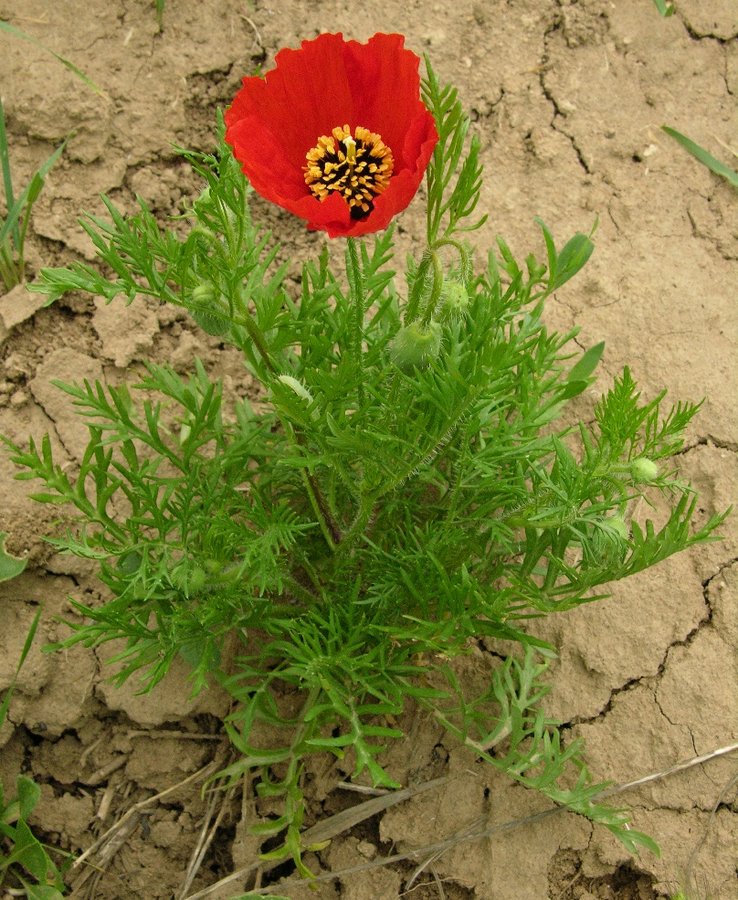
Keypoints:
pixel 4 706
pixel 665 8
pixel 19 33
pixel 29 195
pixel 5 166
pixel 160 13
pixel 707 159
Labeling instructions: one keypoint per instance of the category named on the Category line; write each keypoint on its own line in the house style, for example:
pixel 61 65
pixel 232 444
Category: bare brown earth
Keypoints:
pixel 567 98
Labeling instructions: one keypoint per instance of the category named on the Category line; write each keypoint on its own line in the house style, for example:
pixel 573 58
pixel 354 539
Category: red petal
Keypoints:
pixel 275 120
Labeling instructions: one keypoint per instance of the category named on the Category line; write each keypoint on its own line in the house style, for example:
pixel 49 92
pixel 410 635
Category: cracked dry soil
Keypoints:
pixel 567 98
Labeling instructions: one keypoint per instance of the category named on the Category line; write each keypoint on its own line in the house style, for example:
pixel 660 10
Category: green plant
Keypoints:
pixel 14 226
pixel 665 7
pixel 18 33
pixel 385 509
pixel 707 159
pixel 10 566
pixel 159 5
pixel 25 865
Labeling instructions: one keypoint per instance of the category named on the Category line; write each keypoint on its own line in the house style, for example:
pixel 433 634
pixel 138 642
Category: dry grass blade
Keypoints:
pixel 19 33
pixel 672 770
pixel 688 876
pixel 475 830
pixel 328 829
pixel 207 833
pixel 108 844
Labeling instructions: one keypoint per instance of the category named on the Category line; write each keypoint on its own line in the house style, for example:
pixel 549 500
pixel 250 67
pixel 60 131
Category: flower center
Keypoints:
pixel 359 167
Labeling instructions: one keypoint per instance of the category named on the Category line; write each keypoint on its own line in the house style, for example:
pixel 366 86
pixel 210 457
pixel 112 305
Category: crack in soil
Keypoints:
pixel 558 113
pixel 696 35
pixel 708 440
pixel 640 679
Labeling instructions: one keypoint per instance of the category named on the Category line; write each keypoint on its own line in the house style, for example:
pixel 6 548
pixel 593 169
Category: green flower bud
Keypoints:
pixel 415 346
pixel 296 387
pixel 644 470
pixel 204 294
pixel 207 316
pixel 213 566
pixel 196 579
pixel 618 526
pixel 517 521
pixel 610 540
pixel 454 300
pixel 203 201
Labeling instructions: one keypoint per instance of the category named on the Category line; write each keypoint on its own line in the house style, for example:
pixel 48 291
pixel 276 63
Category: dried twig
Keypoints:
pixel 475 830
pixel 106 800
pixel 672 770
pixel 328 829
pixel 89 749
pixel 257 34
pixel 207 833
pixel 363 789
pixel 180 735
pixel 110 836
pixel 703 837
pixel 103 773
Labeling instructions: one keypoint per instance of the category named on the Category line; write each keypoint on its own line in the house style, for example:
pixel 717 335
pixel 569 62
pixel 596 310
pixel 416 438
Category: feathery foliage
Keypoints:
pixel 410 486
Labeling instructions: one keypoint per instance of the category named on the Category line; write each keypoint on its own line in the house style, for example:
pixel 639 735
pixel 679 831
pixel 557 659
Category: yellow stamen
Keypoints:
pixel 358 166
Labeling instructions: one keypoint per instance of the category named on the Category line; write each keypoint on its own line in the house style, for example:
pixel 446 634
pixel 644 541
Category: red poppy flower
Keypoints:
pixel 336 133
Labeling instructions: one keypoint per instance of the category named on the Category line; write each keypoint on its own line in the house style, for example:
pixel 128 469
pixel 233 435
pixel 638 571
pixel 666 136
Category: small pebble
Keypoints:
pixel 366 849
pixel 15 366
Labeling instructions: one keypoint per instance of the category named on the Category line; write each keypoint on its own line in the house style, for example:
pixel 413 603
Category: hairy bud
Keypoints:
pixel 618 526
pixel 644 470
pixel 454 300
pixel 205 313
pixel 610 540
pixel 415 346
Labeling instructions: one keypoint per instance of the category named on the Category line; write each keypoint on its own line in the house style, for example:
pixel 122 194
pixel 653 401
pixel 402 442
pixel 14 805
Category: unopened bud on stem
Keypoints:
pixel 415 346
pixel 205 312
pixel 454 300
pixel 643 470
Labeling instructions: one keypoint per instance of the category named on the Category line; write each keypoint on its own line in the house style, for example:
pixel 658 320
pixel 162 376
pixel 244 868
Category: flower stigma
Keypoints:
pixel 350 145
pixel 358 166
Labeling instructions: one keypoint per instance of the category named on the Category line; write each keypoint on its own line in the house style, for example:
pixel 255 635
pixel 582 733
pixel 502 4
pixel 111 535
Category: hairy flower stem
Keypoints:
pixel 355 277
pixel 412 308
pixel 435 293
pixel 256 335
pixel 416 294
pixel 330 530
pixel 431 261
pixel 358 526
pixel 328 526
